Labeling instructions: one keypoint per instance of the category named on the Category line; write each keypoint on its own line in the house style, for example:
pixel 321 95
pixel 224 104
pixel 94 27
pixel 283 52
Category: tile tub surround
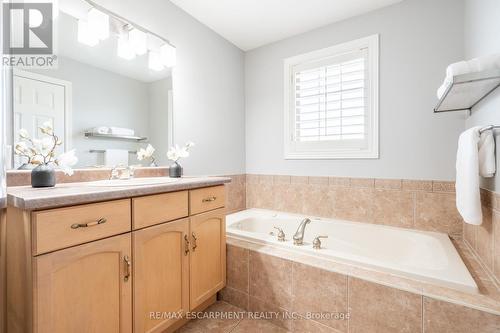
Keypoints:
pixel 267 278
pixel 235 193
pixel 484 240
pixel 424 205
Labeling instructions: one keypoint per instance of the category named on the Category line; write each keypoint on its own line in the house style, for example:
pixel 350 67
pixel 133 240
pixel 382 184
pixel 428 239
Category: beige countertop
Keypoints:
pixel 67 194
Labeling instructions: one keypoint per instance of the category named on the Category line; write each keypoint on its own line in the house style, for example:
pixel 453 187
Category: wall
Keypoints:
pixel 481 38
pixel 208 86
pixel 418 39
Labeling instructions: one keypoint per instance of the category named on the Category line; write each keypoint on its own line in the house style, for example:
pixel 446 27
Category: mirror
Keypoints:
pixel 104 99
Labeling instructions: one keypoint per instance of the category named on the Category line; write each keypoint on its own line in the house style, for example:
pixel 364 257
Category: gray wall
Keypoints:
pixel 482 30
pixel 208 86
pixel 418 39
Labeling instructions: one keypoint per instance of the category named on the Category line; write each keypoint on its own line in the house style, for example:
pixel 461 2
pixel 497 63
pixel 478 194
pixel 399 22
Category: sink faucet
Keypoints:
pixel 121 172
pixel 298 238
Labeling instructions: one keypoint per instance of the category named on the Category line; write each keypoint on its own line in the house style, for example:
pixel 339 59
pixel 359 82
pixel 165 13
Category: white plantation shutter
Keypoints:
pixel 331 103
pixel 330 99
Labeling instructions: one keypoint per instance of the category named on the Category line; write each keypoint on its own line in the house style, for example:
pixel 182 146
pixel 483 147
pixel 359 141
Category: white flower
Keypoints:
pixel 66 160
pixel 173 154
pixel 47 128
pixel 23 133
pixel 145 153
pixel 21 148
pixel 189 144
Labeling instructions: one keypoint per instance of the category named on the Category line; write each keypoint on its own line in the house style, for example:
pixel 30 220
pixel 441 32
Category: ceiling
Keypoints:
pixel 252 23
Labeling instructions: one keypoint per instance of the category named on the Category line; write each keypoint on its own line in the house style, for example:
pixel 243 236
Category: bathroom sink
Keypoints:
pixel 132 182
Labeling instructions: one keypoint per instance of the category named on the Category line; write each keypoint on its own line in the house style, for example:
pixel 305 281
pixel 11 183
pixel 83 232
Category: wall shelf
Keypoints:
pixel 466 90
pixel 115 137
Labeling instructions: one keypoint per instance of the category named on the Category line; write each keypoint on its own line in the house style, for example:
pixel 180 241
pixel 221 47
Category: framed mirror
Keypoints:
pixel 109 95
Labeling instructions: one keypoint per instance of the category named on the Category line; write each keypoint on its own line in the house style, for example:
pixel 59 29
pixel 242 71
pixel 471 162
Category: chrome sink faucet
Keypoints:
pixel 298 238
pixel 121 172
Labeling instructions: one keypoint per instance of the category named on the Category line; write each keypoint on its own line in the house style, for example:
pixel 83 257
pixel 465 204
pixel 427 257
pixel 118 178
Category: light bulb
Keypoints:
pixel 168 55
pixel 99 23
pixel 154 61
pixel 85 35
pixel 125 50
pixel 138 41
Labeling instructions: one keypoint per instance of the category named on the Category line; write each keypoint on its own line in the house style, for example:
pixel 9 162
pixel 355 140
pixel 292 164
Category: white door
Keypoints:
pixel 37 100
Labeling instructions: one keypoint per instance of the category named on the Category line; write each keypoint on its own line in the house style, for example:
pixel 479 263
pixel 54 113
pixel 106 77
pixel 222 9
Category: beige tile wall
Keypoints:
pixel 259 282
pixel 424 205
pixel 484 240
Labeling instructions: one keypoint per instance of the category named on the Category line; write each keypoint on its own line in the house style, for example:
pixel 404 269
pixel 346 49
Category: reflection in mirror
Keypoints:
pixel 108 96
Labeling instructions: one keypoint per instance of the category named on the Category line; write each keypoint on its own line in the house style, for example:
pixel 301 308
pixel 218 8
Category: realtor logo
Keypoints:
pixel 28 29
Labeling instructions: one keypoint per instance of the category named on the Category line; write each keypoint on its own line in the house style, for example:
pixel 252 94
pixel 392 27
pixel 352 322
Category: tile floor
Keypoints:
pixel 210 324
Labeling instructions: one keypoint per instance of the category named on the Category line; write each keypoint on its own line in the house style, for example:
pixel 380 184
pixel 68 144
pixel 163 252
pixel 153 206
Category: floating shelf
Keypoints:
pixel 115 137
pixel 466 90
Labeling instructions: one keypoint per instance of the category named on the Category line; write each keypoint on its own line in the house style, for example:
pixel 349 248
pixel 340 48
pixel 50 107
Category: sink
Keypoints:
pixel 132 182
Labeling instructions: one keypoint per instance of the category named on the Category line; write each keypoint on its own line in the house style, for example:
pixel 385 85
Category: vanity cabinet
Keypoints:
pixel 128 265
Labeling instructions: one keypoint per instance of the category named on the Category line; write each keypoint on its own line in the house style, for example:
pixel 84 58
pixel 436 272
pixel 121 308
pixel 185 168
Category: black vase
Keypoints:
pixel 175 170
pixel 43 175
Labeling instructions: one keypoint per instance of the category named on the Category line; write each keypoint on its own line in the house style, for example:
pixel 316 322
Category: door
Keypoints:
pixel 38 99
pixel 87 288
pixel 161 275
pixel 208 256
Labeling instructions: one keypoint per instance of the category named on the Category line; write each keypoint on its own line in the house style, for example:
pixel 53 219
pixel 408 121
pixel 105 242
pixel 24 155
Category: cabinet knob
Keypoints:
pixel 209 199
pixel 194 241
pixel 186 245
pixel 128 266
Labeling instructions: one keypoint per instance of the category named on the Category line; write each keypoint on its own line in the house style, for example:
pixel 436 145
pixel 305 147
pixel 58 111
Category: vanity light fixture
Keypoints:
pixel 125 49
pixel 155 61
pixel 138 40
pixel 98 23
pixel 85 34
pixel 168 55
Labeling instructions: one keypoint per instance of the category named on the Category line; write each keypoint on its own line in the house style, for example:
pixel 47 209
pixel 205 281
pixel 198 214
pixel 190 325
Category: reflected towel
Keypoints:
pixel 115 157
pixel 100 130
pixel 487 160
pixel 121 131
pixel 467 184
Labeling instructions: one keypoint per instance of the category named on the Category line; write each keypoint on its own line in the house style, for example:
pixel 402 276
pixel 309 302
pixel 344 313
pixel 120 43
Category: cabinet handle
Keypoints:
pixel 186 245
pixel 209 199
pixel 102 220
pixel 128 265
pixel 194 241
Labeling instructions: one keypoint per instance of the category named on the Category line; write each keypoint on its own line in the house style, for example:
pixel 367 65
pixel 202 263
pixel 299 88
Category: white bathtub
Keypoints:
pixel 421 255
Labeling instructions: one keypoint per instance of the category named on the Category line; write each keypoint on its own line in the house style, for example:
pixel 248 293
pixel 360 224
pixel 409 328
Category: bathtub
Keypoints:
pixel 421 255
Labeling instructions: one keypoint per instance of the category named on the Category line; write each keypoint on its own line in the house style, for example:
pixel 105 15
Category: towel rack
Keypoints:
pixel 487 128
pixel 103 151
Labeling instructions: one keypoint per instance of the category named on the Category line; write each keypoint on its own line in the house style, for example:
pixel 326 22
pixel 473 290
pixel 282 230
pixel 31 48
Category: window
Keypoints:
pixel 331 102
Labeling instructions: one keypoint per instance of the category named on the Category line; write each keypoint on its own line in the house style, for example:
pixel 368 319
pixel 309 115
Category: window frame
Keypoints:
pixel 329 149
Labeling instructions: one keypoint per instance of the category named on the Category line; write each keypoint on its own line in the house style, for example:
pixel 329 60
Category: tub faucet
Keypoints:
pixel 298 238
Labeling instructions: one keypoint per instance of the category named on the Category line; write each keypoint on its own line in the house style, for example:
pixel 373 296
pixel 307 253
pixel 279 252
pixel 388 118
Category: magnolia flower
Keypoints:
pixel 21 148
pixel 175 153
pixel 47 128
pixel 23 133
pixel 145 153
pixel 66 160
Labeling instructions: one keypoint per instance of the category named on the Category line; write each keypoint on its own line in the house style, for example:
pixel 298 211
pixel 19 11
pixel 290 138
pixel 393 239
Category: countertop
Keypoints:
pixel 67 194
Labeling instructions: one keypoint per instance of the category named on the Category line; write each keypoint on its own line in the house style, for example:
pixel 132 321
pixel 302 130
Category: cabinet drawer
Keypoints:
pixel 205 199
pixel 63 227
pixel 155 209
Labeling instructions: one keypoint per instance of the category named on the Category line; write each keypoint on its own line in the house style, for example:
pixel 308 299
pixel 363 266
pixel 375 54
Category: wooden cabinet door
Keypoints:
pixel 208 255
pixel 161 275
pixel 87 288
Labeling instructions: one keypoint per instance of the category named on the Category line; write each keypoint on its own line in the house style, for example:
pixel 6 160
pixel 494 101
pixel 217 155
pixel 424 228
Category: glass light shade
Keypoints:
pixel 98 23
pixel 86 35
pixel 125 50
pixel 138 40
pixel 154 61
pixel 168 55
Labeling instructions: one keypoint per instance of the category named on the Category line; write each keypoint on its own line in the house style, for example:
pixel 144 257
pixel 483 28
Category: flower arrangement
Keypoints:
pixel 43 151
pixel 147 154
pixel 175 153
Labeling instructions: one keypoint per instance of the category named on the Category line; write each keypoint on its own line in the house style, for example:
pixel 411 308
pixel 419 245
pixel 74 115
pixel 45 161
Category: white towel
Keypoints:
pixel 115 157
pixel 489 62
pixel 101 130
pixel 458 68
pixel 121 131
pixel 467 184
pixel 487 160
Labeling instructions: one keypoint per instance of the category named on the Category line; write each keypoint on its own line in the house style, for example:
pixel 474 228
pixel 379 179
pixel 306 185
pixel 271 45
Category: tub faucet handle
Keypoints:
pixel 281 234
pixel 317 242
